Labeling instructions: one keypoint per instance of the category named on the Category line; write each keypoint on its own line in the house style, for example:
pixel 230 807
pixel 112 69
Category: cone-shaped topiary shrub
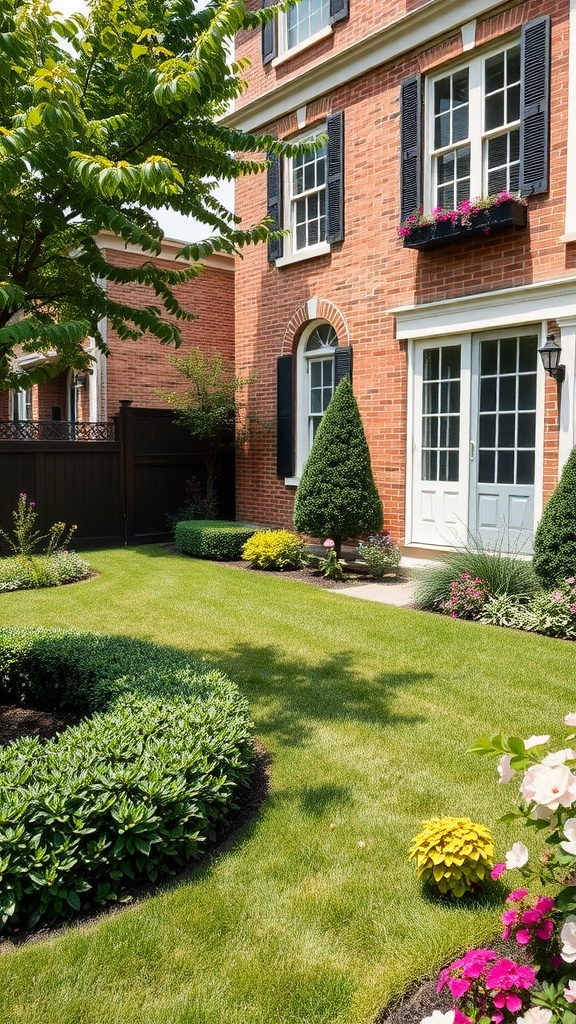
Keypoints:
pixel 555 540
pixel 337 496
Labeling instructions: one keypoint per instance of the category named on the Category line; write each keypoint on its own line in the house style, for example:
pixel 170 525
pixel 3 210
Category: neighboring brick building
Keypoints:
pixel 424 104
pixel 135 369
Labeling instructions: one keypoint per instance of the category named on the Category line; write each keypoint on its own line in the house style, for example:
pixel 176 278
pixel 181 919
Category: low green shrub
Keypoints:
pixel 555 537
pixel 27 572
pixel 380 554
pixel 500 574
pixel 274 549
pixel 211 538
pixel 129 794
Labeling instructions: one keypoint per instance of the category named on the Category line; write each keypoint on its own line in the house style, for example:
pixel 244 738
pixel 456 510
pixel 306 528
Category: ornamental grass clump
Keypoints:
pixel 454 855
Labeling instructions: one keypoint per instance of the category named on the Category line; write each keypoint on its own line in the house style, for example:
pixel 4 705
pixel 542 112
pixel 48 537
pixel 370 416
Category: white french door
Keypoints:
pixel 476 438
pixel 505 405
pixel 441 423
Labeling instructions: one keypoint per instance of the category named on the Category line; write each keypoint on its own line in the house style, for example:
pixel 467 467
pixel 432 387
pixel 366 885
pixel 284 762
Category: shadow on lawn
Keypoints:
pixel 287 698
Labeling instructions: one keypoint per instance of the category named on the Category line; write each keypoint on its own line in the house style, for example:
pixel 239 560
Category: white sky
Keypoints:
pixel 174 225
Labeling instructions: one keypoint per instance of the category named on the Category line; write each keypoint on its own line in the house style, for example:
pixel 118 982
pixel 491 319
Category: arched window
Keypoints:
pixel 316 380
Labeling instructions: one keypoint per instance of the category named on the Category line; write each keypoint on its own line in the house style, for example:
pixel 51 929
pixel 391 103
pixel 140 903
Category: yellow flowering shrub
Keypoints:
pixel 274 549
pixel 453 854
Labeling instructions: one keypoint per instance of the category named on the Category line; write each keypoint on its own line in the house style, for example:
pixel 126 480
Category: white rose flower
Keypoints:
pixel 517 857
pixel 570 833
pixel 437 1017
pixel 559 757
pixel 568 938
pixel 570 719
pixel 535 741
pixel 551 787
pixel 535 1015
pixel 505 772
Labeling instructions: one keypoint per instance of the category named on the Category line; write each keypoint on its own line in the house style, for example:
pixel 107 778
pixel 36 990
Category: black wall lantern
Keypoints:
pixel 550 356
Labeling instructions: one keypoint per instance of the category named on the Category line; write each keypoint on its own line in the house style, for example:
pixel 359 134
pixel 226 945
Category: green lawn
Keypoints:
pixel 367 712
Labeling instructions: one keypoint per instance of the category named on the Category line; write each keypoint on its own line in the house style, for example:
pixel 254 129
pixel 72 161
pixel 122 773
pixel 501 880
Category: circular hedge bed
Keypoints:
pixel 131 793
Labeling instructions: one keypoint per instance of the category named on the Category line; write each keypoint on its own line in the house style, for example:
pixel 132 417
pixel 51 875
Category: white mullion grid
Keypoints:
pixel 476 134
pixel 505 129
pixel 304 197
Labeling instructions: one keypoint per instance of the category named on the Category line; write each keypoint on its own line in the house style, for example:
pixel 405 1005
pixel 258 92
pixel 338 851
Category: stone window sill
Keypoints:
pixel 324 33
pixel 322 249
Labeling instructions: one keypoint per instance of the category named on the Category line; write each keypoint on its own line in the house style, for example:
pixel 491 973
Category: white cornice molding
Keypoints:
pixel 507 307
pixel 435 18
pixel 169 251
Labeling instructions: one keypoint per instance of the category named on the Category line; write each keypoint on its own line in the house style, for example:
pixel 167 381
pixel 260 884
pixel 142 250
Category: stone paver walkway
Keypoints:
pixel 399 592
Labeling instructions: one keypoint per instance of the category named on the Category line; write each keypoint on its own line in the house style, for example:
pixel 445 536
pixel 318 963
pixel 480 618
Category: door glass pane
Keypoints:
pixel 525 467
pixel 505 468
pixel 507 432
pixel 486 465
pixel 507 392
pixel 508 348
pixel 441 433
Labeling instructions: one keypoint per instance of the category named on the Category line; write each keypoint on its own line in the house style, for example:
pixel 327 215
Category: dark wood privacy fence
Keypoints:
pixel 117 491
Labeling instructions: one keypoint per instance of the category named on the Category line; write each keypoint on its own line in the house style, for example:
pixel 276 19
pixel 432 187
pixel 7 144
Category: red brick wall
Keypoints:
pixel 136 368
pixel 370 272
pixel 366 18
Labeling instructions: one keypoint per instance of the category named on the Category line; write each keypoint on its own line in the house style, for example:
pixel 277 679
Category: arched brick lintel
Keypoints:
pixel 314 309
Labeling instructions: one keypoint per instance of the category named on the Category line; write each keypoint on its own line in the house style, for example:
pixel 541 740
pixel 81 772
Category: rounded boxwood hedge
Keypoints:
pixel 131 793
pixel 214 539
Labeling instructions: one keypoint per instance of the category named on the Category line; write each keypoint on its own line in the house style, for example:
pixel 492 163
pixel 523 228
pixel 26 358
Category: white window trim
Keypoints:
pixel 285 54
pixel 292 255
pixel 322 249
pixel 475 64
pixel 301 412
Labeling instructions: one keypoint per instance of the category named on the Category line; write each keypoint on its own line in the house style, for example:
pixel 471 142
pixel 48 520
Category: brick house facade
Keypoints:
pixel 467 433
pixel 135 369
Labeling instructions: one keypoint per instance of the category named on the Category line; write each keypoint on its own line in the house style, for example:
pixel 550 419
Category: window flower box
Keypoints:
pixel 473 217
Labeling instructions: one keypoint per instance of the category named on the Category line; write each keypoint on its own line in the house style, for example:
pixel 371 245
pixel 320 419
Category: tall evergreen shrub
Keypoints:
pixel 337 496
pixel 555 540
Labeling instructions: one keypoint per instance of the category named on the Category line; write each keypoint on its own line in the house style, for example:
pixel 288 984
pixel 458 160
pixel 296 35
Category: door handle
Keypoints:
pixel 472 450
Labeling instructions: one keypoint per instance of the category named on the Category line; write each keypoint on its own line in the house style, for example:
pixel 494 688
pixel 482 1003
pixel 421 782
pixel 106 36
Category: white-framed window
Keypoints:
pixel 22 405
pixel 305 20
pixel 315 383
pixel 473 129
pixel 305 199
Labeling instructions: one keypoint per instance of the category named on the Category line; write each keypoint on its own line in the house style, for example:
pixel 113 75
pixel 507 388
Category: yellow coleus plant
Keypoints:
pixel 453 854
pixel 274 549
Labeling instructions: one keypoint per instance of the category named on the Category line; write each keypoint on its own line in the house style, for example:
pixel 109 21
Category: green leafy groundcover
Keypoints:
pixel 128 795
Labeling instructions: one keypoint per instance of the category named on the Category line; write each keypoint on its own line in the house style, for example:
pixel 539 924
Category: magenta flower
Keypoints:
pixel 523 936
pixel 498 870
pixel 517 895
pixel 458 987
pixel 545 930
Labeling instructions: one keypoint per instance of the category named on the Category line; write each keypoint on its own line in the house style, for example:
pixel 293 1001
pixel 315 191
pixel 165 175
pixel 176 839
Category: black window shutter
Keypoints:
pixel 274 187
pixel 335 186
pixel 535 107
pixel 284 417
pixel 410 120
pixel 342 364
pixel 268 36
pixel 339 9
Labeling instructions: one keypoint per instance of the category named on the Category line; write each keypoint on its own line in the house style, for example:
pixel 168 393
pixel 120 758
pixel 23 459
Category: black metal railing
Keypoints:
pixel 55 430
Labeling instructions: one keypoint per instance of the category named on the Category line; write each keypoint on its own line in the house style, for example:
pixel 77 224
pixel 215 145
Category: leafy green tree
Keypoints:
pixel 337 496
pixel 211 407
pixel 555 539
pixel 103 117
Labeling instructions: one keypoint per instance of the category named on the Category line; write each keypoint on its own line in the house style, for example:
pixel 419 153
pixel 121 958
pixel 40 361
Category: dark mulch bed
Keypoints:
pixel 17 721
pixel 415 1004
